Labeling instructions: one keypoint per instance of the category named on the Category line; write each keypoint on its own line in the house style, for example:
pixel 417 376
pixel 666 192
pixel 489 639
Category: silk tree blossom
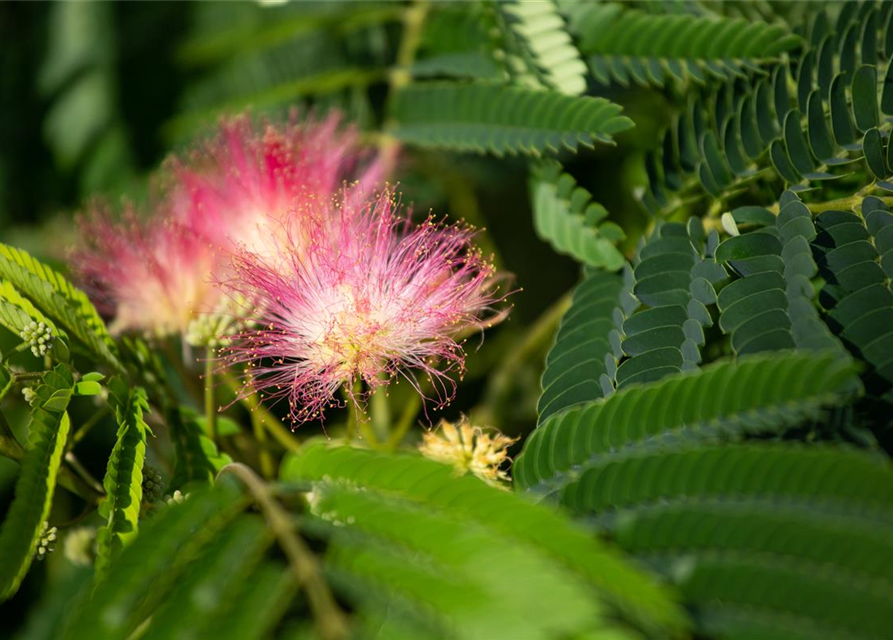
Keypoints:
pixel 234 192
pixel 152 276
pixel 241 186
pixel 468 448
pixel 366 296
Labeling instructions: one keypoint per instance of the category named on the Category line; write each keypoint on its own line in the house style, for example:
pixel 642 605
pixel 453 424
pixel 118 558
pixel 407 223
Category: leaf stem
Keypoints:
pixel 210 408
pixel 331 623
pixel 264 416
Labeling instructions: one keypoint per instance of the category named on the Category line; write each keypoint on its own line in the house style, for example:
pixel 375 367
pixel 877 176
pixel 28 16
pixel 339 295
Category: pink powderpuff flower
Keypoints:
pixel 151 276
pixel 366 295
pixel 234 192
pixel 238 188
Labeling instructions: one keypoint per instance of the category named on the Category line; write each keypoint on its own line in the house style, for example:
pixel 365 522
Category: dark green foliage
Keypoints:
pixel 674 279
pixel 771 305
pixel 724 400
pixel 808 122
pixel 123 481
pixel 631 46
pixel 855 257
pixel 48 430
pixel 502 120
pixel 581 364
pixel 565 216
pixel 790 532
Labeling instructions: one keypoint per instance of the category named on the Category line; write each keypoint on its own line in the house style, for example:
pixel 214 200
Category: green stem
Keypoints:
pixel 380 408
pixel 331 622
pixel 210 408
pixel 267 467
pixel 407 418
pixel 264 416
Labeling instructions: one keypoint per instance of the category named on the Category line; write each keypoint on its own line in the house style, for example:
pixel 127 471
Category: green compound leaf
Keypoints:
pixel 123 481
pixel 855 257
pixel 581 364
pixel 757 394
pixel 141 577
pixel 674 279
pixel 540 34
pixel 765 540
pixel 57 298
pixel 48 431
pixel 565 216
pixel 375 496
pixel 771 305
pixel 503 120
pixel 17 312
pixel 631 46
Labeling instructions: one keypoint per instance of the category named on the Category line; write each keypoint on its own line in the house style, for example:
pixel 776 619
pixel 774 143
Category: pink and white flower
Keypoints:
pixel 366 295
pixel 234 192
pixel 152 276
pixel 239 188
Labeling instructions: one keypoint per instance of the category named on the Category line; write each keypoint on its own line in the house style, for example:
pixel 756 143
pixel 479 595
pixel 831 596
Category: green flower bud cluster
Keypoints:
pixel 47 542
pixel 29 394
pixel 153 485
pixel 39 336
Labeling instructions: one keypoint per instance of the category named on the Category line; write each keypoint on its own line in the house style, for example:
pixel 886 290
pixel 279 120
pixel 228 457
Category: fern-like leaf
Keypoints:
pixel 782 520
pixel 675 279
pixel 628 45
pixel 501 119
pixel 580 366
pixel 123 481
pixel 48 431
pixel 856 261
pixel 565 216
pixel 726 399
pixel 772 304
pixel 139 579
pixel 17 312
pixel 424 482
pixel 57 298
pixel 210 589
pixel 541 39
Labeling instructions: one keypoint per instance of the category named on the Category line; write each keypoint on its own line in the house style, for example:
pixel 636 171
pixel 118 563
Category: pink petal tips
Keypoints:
pixel 360 294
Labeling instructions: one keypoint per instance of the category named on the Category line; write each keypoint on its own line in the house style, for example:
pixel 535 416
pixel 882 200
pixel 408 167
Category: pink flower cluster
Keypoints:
pixel 331 283
pixel 155 274
pixel 365 295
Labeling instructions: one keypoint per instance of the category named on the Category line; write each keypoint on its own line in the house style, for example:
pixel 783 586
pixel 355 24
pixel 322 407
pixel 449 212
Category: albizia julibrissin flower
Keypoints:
pixel 233 192
pixel 240 186
pixel 152 275
pixel 366 296
pixel 483 452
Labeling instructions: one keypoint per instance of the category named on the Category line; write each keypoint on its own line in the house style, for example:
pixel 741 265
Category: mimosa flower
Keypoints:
pixel 364 296
pixel 151 276
pixel 469 449
pixel 239 188
pixel 234 192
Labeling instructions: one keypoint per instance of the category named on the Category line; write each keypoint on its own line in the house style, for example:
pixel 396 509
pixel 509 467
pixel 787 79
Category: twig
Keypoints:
pixel 331 623
pixel 210 404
